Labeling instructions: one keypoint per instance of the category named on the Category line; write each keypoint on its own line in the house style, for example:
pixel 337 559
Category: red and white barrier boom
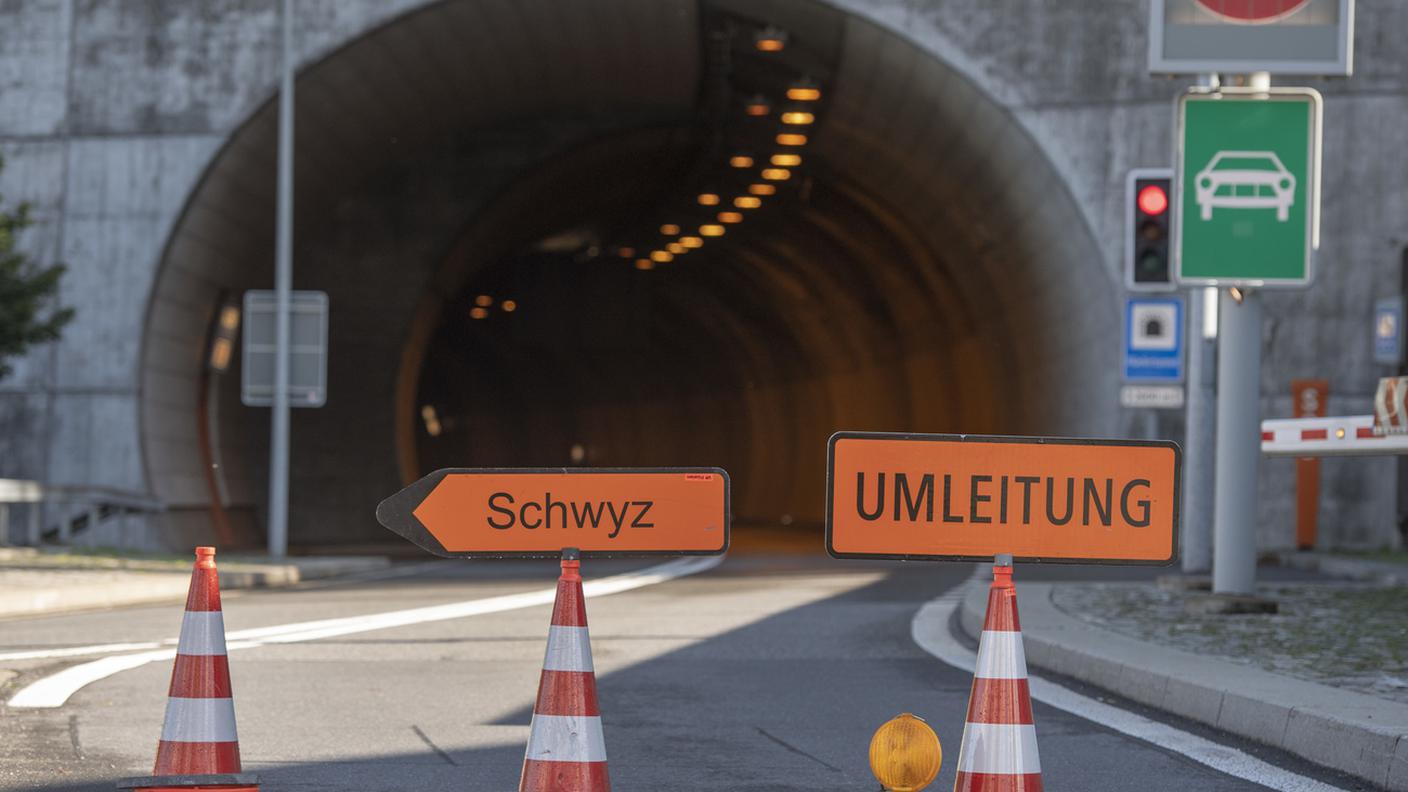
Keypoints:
pixel 1351 435
pixel 1384 432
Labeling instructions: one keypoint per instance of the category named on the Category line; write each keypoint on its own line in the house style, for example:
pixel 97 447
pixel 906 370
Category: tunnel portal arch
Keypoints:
pixel 924 269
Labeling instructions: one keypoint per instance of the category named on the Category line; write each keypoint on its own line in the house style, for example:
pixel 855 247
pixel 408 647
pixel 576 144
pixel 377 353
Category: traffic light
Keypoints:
pixel 1148 206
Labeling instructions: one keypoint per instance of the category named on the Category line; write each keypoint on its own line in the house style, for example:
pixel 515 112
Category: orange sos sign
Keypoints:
pixel 969 497
pixel 537 512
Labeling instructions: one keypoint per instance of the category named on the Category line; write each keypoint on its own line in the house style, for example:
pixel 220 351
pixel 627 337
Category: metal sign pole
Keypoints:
pixel 1238 433
pixel 283 284
pixel 1199 440
pixel 1238 442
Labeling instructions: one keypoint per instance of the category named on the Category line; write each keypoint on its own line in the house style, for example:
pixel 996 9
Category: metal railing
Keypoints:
pixel 79 508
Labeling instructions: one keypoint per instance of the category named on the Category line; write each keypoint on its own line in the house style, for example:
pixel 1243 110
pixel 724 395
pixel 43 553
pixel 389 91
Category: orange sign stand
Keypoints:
pixel 971 497
pixel 1309 399
pixel 537 512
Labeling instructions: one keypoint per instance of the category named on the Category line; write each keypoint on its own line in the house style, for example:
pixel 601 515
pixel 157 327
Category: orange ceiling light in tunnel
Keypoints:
pixel 711 230
pixel 740 161
pixel 762 189
pixel 691 242
pixel 747 202
pixel 730 217
pixel 791 139
pixel 770 39
pixel 804 93
pixel 776 174
pixel 708 199
pixel 797 118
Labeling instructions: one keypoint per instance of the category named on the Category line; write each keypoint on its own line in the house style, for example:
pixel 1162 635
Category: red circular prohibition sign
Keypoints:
pixel 1254 11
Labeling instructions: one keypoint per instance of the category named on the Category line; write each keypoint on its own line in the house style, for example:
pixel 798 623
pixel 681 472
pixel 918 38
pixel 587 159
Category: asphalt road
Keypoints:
pixel 767 673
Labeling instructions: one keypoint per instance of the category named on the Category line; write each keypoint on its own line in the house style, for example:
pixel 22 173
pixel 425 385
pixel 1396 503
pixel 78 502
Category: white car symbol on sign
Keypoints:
pixel 1245 180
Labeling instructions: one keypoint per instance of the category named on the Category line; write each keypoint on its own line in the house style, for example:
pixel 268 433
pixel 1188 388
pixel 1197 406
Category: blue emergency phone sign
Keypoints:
pixel 1388 331
pixel 1153 340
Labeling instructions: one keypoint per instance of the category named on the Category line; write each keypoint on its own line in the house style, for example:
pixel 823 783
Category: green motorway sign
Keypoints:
pixel 1247 187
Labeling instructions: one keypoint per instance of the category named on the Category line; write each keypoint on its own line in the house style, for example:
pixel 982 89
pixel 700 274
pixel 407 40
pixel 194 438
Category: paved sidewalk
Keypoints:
pixel 34 582
pixel 1364 735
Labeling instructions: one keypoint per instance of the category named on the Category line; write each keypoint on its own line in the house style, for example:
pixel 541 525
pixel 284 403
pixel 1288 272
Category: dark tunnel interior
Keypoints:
pixel 690 233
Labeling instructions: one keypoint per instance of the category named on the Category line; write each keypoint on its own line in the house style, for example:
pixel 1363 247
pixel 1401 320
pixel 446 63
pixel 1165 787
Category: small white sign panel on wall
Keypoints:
pixel 308 349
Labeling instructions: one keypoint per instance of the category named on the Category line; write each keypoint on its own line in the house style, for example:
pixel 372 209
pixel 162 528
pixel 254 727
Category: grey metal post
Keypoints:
pixel 35 510
pixel 4 523
pixel 283 284
pixel 1238 442
pixel 1198 441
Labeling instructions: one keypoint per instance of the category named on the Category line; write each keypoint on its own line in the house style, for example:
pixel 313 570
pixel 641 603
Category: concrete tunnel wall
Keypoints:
pixel 143 134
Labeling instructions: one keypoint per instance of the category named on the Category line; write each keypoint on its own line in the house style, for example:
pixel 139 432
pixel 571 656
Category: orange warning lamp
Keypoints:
pixel 905 754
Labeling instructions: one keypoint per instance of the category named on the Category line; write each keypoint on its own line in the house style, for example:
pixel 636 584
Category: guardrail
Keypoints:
pixel 94 504
pixel 1349 435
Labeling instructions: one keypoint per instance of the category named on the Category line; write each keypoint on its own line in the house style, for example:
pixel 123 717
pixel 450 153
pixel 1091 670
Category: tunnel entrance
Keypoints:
pixel 635 233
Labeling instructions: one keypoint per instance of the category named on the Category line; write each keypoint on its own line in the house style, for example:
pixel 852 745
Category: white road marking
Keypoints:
pixel 930 630
pixel 55 690
pixel 111 648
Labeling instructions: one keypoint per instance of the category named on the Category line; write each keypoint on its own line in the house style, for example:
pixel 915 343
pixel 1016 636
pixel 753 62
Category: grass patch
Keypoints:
pixel 1352 636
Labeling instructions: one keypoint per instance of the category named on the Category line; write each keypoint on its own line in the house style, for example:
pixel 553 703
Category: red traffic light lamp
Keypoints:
pixel 1153 199
pixel 1147 260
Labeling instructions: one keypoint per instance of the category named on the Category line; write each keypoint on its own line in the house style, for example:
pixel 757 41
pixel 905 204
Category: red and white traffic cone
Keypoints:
pixel 198 747
pixel 999 753
pixel 566 750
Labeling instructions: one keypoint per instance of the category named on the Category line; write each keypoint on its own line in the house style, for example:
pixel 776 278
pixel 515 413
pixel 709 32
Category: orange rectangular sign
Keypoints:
pixel 537 512
pixel 970 497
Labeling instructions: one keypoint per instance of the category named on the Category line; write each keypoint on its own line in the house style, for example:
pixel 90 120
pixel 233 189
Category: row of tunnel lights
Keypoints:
pixel 779 167
pixel 484 302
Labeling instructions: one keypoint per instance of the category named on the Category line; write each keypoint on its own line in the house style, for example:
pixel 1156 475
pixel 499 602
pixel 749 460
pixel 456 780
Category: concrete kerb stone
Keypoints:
pixel 1398 768
pixel 60 590
pixel 1344 730
pixel 236 573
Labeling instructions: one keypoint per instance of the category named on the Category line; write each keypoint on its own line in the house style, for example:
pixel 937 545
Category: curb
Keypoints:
pixel 144 587
pixel 1382 572
pixel 1344 730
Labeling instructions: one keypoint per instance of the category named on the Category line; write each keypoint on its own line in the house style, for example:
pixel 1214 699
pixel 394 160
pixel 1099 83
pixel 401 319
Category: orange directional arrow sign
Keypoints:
pixel 537 512
pixel 970 497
